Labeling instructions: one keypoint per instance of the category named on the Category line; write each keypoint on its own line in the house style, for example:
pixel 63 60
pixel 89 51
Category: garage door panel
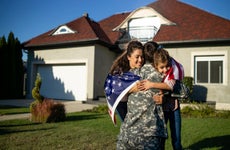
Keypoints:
pixel 64 81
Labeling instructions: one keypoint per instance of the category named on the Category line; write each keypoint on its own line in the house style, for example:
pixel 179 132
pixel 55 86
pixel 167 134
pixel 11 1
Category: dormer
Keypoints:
pixel 63 30
pixel 142 24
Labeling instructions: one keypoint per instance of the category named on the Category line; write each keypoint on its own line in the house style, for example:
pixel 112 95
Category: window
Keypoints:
pixel 63 30
pixel 209 69
pixel 143 29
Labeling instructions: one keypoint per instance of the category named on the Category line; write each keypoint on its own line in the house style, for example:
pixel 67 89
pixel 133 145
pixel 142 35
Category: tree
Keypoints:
pixel 12 67
pixel 3 66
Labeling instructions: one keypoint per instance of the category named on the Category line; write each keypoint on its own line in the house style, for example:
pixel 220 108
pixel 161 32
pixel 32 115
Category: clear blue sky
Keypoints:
pixel 30 18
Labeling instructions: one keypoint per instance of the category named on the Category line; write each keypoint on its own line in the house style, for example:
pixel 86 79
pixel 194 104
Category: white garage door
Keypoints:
pixel 64 81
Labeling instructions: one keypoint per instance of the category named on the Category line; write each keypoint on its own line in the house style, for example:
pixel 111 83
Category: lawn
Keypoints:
pixel 95 131
pixel 7 110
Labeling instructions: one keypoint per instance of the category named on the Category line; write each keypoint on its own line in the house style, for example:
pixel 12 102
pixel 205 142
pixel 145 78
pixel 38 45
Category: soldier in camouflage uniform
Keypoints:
pixel 172 72
pixel 144 126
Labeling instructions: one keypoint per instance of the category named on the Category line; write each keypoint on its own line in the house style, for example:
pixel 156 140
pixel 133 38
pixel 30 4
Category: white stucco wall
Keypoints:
pixel 103 61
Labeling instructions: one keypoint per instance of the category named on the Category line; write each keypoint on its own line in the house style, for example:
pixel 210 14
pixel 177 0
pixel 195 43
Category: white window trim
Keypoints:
pixel 58 31
pixel 207 54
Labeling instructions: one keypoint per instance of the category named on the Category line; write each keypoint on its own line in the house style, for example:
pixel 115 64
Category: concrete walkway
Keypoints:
pixel 70 106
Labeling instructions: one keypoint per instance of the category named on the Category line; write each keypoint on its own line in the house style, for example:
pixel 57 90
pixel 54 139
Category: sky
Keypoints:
pixel 30 18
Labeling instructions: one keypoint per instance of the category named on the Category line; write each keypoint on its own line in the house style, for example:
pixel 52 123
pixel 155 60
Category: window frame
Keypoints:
pixel 209 56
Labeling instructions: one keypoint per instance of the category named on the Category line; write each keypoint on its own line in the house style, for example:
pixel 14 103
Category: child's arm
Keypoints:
pixel 146 84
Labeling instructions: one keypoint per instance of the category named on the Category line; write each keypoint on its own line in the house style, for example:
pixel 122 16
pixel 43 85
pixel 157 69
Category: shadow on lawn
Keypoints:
pixel 14 126
pixel 18 125
pixel 220 142
pixel 6 131
pixel 83 117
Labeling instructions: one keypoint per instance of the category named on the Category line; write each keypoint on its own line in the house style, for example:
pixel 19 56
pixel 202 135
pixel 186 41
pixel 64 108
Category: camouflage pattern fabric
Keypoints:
pixel 151 143
pixel 144 124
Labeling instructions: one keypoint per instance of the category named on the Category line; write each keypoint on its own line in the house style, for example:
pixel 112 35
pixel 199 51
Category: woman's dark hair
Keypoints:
pixel 121 64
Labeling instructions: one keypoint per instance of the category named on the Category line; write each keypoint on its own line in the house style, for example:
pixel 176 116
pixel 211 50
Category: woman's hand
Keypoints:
pixel 135 88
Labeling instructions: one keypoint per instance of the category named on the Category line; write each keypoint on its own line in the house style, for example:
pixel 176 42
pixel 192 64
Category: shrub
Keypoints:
pixel 33 105
pixel 36 90
pixel 188 82
pixel 99 109
pixel 223 114
pixel 202 111
pixel 48 111
pixel 45 110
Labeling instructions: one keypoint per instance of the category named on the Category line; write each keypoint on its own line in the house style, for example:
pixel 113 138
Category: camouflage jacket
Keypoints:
pixel 144 118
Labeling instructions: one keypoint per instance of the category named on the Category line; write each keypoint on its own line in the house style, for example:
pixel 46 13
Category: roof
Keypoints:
pixel 191 24
pixel 110 23
pixel 85 30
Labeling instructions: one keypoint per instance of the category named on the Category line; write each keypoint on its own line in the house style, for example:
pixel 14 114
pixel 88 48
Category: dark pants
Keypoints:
pixel 174 119
pixel 122 110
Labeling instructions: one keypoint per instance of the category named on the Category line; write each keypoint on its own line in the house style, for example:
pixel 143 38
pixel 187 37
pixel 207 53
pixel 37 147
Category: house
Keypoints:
pixel 74 58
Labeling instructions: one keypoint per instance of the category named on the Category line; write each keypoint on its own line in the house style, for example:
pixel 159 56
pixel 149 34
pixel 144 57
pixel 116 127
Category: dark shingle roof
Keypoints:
pixel 85 30
pixel 110 23
pixel 191 24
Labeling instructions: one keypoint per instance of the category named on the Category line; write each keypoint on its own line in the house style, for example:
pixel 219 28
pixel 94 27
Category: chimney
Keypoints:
pixel 86 15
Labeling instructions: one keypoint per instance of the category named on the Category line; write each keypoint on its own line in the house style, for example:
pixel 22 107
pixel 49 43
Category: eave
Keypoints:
pixel 67 44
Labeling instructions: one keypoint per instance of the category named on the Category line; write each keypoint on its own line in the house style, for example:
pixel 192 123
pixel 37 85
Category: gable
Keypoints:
pixel 143 12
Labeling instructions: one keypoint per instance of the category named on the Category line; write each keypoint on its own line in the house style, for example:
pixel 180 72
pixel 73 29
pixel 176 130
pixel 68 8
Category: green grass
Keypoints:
pixel 80 131
pixel 204 134
pixel 95 131
pixel 7 110
pixel 201 129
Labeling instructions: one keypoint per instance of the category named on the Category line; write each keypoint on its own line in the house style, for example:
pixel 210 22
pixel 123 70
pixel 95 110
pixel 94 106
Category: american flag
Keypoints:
pixel 176 72
pixel 115 88
pixel 174 79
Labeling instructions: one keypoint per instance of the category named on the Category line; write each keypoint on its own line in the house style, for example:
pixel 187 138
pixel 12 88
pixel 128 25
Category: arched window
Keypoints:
pixel 63 30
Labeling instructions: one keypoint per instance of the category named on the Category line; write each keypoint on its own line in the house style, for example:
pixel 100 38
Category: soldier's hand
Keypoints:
pixel 158 98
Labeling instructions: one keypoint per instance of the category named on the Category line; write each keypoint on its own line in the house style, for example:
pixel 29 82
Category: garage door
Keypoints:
pixel 64 81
